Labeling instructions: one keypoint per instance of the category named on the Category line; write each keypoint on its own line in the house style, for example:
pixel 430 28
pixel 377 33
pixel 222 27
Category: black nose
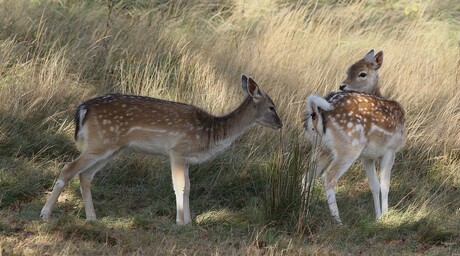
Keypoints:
pixel 342 86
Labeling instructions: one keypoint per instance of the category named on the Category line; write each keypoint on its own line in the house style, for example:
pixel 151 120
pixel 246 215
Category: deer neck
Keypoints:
pixel 376 88
pixel 232 125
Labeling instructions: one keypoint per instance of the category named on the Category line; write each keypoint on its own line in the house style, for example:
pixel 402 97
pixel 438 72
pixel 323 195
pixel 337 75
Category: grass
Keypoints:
pixel 55 54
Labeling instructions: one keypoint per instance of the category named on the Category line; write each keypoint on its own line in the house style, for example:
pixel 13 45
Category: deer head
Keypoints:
pixel 261 104
pixel 363 76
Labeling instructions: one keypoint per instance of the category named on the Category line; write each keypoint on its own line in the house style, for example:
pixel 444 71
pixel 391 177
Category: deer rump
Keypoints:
pixel 315 121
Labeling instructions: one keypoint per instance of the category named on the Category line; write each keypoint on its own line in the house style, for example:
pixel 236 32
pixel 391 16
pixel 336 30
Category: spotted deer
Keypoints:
pixel 187 134
pixel 356 123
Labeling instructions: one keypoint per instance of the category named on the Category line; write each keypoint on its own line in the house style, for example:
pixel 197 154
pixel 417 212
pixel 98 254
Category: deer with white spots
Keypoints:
pixel 187 134
pixel 356 123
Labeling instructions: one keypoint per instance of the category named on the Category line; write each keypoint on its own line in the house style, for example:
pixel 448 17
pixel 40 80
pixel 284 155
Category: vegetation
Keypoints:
pixel 55 54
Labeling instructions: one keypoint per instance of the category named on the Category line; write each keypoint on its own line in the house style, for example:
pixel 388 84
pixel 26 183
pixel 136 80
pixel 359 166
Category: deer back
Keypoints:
pixel 117 120
pixel 363 119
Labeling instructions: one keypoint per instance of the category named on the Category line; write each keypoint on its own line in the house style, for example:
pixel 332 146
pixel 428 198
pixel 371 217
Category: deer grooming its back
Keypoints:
pixel 187 134
pixel 355 123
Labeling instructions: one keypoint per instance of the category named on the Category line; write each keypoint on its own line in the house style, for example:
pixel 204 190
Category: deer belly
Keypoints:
pixel 373 151
pixel 159 146
pixel 204 152
pixel 197 158
pixel 377 146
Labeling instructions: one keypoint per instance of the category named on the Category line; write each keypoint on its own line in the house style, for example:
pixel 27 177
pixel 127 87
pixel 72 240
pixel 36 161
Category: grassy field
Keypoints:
pixel 55 54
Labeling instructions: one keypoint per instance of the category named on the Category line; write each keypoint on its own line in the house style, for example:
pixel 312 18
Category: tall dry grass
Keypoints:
pixel 54 54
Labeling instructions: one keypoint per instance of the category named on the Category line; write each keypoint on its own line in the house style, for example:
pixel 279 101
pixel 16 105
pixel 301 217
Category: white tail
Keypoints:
pixel 315 105
pixel 360 124
pixel 187 134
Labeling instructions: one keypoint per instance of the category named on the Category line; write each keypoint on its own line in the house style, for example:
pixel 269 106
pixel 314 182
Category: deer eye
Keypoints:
pixel 272 108
pixel 362 74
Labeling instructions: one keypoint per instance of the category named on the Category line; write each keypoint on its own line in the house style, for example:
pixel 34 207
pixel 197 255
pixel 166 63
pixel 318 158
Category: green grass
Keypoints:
pixel 55 54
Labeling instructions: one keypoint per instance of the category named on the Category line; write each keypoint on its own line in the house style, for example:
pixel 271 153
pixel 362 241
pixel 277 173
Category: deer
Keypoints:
pixel 355 123
pixel 110 124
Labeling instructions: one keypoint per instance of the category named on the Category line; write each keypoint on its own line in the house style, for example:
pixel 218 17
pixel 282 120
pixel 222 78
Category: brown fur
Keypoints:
pixel 365 109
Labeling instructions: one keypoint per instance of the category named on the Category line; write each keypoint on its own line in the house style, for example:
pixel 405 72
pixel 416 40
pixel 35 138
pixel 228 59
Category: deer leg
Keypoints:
pixel 86 177
pixel 386 163
pixel 336 169
pixel 181 184
pixel 82 163
pixel 321 162
pixel 374 184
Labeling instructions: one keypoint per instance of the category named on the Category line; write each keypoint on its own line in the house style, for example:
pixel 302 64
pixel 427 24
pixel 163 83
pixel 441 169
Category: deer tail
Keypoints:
pixel 314 120
pixel 80 118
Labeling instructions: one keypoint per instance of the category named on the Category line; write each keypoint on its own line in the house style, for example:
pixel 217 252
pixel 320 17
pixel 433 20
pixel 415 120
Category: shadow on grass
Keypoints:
pixel 422 203
pixel 28 151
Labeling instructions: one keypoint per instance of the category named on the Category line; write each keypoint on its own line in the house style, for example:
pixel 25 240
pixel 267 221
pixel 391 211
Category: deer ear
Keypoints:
pixel 244 84
pixel 369 56
pixel 250 88
pixel 253 90
pixel 378 59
